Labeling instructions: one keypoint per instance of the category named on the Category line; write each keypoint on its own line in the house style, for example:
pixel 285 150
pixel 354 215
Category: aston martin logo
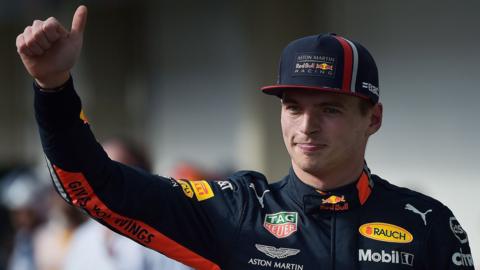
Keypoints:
pixel 278 253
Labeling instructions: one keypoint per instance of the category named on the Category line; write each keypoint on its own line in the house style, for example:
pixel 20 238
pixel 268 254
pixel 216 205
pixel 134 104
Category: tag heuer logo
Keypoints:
pixel 281 224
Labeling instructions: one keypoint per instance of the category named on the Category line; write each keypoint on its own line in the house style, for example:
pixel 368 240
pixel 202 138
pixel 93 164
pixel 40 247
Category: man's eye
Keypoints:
pixel 331 110
pixel 293 109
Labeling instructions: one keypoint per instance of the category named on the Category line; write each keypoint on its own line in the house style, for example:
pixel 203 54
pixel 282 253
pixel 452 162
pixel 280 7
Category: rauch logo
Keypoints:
pixel 385 232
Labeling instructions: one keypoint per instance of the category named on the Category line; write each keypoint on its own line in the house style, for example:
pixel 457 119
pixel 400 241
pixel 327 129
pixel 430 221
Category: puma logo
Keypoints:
pixel 416 211
pixel 259 197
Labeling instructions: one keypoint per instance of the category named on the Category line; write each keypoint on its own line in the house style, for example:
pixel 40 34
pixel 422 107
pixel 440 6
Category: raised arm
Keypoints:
pixel 186 220
pixel 49 51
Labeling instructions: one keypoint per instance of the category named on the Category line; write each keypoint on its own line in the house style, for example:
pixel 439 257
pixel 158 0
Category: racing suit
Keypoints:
pixel 244 222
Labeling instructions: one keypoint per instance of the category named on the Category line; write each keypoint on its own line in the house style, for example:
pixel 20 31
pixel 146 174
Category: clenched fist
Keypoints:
pixel 49 51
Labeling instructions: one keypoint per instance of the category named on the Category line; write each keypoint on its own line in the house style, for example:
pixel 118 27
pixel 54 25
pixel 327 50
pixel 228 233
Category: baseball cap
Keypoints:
pixel 329 63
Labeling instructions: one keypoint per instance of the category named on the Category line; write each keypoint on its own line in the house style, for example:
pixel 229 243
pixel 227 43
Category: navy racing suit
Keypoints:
pixel 244 222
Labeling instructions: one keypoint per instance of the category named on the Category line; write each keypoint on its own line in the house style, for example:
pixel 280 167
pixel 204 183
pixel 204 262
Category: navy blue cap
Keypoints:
pixel 327 62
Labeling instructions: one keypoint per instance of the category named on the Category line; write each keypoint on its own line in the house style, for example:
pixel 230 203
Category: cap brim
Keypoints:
pixel 278 89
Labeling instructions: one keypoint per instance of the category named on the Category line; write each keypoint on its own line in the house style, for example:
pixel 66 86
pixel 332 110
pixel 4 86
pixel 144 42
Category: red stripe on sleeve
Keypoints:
pixel 347 64
pixel 82 195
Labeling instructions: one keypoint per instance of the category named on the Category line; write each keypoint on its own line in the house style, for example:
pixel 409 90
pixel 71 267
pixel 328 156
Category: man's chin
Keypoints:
pixel 310 167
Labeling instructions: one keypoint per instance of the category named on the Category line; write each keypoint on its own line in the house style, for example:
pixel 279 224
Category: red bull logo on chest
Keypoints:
pixel 334 200
pixel 334 203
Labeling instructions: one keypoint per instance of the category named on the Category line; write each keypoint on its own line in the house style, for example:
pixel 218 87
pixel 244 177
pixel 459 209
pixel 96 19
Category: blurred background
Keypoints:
pixel 182 79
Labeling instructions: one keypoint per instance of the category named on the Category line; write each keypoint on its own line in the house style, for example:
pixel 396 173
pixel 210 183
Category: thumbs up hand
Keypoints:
pixel 49 51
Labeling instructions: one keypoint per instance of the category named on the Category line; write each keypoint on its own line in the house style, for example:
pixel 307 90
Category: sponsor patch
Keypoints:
pixel 393 257
pixel 187 189
pixel 458 231
pixel 385 232
pixel 83 117
pixel 334 203
pixel 335 207
pixel 202 190
pixel 224 185
pixel 423 215
pixel 461 259
pixel 173 181
pixel 370 87
pixel 277 253
pixel 311 64
pixel 281 224
pixel 273 264
pixel 334 199
pixel 259 197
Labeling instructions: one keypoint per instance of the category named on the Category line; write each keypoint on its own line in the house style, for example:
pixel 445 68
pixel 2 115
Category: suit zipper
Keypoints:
pixel 333 238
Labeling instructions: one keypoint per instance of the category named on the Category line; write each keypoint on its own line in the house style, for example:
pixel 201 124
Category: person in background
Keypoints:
pixel 52 239
pixel 6 231
pixel 43 223
pixel 22 194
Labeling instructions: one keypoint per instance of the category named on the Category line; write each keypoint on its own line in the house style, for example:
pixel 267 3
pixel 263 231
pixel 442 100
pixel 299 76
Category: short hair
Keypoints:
pixel 365 106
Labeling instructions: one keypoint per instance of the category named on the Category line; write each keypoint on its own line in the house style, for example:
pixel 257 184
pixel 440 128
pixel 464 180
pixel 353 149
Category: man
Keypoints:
pixel 328 213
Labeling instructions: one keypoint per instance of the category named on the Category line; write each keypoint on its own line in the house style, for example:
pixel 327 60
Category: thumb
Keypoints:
pixel 79 20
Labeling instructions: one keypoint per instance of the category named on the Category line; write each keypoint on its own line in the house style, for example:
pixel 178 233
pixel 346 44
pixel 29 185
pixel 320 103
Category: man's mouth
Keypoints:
pixel 310 147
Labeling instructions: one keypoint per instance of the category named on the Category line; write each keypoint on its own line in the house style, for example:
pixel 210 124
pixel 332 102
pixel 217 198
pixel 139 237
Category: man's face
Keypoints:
pixel 325 132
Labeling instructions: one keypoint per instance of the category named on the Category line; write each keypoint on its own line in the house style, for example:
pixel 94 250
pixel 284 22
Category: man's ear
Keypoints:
pixel 375 119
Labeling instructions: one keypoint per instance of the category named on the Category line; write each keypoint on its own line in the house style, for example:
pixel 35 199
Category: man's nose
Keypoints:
pixel 309 123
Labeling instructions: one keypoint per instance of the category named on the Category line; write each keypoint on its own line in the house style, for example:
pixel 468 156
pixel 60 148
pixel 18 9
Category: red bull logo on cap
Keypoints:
pixel 311 64
pixel 324 66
